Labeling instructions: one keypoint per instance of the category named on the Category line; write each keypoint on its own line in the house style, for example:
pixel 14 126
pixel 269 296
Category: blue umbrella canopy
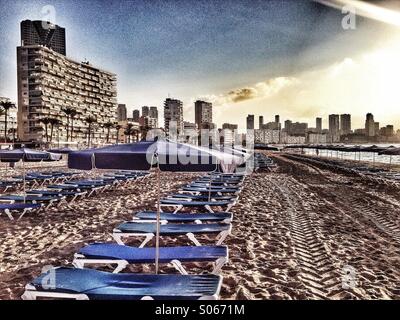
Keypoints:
pixel 61 150
pixel 171 156
pixel 27 155
pixel 391 151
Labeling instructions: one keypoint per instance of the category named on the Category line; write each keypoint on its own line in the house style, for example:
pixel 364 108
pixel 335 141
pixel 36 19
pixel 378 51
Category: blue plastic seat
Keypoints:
pixel 98 285
pixel 122 256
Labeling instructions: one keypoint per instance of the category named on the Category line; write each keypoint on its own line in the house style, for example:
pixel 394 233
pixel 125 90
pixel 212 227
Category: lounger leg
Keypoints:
pixel 229 207
pixel 222 236
pixel 178 208
pixel 118 237
pixel 193 239
pixel 219 264
pixel 9 214
pixel 207 207
pixel 80 263
pixel 22 214
pixel 178 266
pixel 146 240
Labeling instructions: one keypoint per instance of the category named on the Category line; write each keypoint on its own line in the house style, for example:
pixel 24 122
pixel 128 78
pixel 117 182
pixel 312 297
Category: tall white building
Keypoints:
pixel 49 82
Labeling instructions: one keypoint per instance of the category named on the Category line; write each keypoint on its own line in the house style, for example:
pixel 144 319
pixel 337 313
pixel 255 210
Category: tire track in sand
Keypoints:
pixel 318 272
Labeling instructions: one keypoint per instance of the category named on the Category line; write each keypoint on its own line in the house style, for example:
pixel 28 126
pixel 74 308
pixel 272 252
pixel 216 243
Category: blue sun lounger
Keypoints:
pixel 71 195
pixel 63 187
pixel 84 284
pixel 200 197
pixel 214 187
pixel 122 256
pixel 207 186
pixel 148 230
pixel 5 185
pixel 41 177
pixel 75 187
pixel 197 190
pixel 216 184
pixel 95 185
pixel 166 217
pixel 33 198
pixel 21 208
pixel 179 204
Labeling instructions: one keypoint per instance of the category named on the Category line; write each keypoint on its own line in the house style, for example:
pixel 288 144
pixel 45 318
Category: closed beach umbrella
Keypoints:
pixel 164 155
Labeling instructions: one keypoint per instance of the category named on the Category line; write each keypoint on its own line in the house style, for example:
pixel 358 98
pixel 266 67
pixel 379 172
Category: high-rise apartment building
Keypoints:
pixel 153 113
pixel 288 126
pixel 145 111
pixel 318 125
pixel 203 114
pixel 173 111
pixel 135 115
pixel 260 122
pixel 49 82
pixel 345 123
pixel 369 125
pixel 376 128
pixel 121 112
pixel 250 122
pixel 43 33
pixel 334 127
pixel 298 128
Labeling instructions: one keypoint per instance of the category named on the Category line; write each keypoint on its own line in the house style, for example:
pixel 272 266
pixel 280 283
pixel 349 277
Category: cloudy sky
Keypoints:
pixel 291 57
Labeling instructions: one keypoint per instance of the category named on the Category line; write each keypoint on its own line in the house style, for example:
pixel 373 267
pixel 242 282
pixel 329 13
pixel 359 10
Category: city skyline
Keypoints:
pixel 263 76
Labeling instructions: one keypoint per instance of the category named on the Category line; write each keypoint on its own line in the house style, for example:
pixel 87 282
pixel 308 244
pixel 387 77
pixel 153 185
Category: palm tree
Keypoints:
pixel 72 115
pixel 108 126
pixel 6 105
pixel 46 122
pixel 90 120
pixel 53 122
pixel 129 131
pixel 118 127
pixel 67 111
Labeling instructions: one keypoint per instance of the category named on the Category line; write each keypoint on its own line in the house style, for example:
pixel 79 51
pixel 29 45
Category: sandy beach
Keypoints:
pixel 296 231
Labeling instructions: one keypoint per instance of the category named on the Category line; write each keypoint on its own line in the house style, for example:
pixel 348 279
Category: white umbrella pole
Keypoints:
pixel 158 217
pixel 23 176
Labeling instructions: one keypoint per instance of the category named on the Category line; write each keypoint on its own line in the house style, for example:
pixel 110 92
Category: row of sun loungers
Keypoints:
pixel 63 193
pixel 261 161
pixel 84 283
pixel 34 179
